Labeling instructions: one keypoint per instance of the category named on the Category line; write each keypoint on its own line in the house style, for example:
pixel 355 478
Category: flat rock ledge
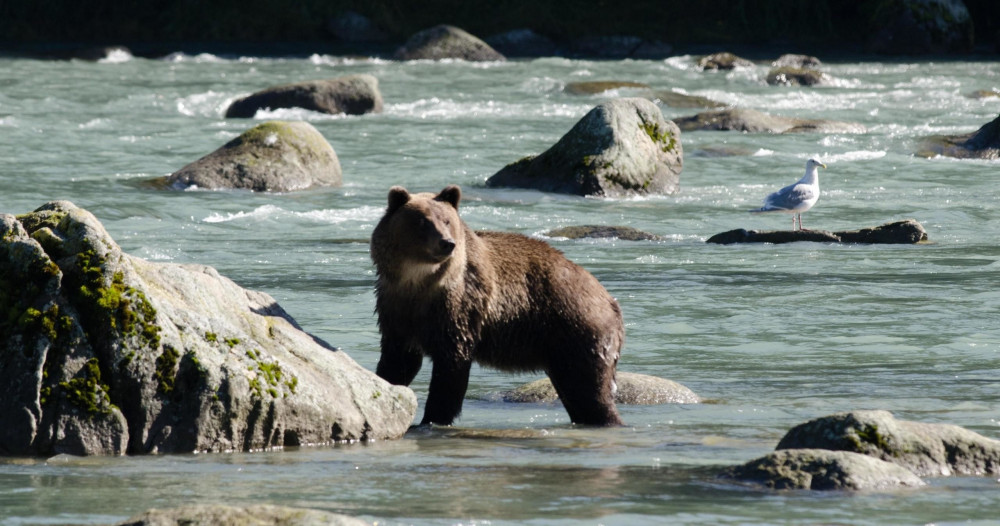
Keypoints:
pixel 350 95
pixel 109 354
pixel 753 121
pixel 625 233
pixel 926 449
pixel 274 156
pixel 223 515
pixel 821 469
pixel 633 389
pixel 983 143
pixel 619 148
pixel 444 42
pixel 908 232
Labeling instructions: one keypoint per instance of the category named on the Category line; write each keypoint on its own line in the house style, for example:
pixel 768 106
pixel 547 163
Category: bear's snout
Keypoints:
pixel 446 247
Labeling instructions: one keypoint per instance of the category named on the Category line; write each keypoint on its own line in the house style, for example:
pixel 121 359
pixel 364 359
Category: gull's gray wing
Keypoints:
pixel 789 197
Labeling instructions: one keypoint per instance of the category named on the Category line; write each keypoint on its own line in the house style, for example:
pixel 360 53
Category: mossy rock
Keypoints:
pixel 350 95
pixel 633 389
pixel 274 156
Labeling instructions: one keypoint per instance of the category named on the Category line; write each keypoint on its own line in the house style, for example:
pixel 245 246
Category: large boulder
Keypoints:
pixel 274 156
pixel 225 515
pixel 633 389
pixel 820 469
pixel 753 121
pixel 444 41
pixel 917 27
pixel 105 353
pixel 983 143
pixel 925 449
pixel 907 231
pixel 621 147
pixel 350 94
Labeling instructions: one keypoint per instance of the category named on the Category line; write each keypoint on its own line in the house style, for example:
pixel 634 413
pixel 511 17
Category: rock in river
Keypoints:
pixel 821 469
pixel 983 143
pixel 633 389
pixel 275 156
pixel 753 121
pixel 444 41
pixel 106 353
pixel 908 231
pixel 350 94
pixel 224 515
pixel 621 147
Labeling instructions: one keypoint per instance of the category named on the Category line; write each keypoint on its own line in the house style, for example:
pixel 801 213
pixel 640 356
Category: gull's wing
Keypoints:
pixel 789 197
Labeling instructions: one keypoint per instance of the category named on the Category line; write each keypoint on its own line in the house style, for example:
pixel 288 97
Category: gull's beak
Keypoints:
pixel 823 165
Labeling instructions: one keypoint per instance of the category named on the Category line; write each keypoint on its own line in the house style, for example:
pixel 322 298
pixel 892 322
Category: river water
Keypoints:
pixel 769 335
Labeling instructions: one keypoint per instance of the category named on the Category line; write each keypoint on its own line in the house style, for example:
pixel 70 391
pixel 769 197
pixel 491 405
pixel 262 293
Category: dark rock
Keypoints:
pixel 633 389
pixel 788 76
pixel 255 515
pixel 600 86
pixel 625 233
pixel 983 143
pixel 523 43
pixel 723 61
pixel 621 147
pixel 753 121
pixel 351 94
pixel 918 27
pixel 350 26
pixel 926 449
pixel 274 156
pixel 108 354
pixel 444 41
pixel 820 469
pixel 900 232
pixel 790 60
pixel 985 94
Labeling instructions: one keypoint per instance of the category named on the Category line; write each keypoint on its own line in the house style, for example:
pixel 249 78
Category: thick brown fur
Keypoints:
pixel 503 300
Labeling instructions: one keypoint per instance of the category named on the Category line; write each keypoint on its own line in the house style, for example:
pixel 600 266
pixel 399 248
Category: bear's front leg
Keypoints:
pixel 398 364
pixel 449 381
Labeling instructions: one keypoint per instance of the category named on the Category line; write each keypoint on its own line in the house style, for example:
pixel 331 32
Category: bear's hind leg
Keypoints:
pixel 587 395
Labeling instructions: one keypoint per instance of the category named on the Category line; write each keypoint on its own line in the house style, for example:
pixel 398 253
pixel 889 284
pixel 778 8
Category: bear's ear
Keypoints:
pixel 451 194
pixel 398 196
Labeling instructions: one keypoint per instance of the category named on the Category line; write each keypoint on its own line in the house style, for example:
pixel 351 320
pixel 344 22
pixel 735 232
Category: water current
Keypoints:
pixel 769 335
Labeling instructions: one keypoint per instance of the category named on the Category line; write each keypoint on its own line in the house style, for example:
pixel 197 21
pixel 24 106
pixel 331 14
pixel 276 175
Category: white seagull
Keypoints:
pixel 796 198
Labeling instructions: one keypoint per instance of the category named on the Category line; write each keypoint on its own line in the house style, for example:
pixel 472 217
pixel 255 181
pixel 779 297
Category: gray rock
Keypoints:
pixel 621 147
pixel 351 26
pixel 523 43
pixel 926 449
pixel 626 233
pixel 789 76
pixel 681 100
pixel 594 87
pixel 633 389
pixel 110 354
pixel 444 41
pixel 350 94
pixel 256 515
pixel 917 27
pixel 985 94
pixel 983 143
pixel 723 61
pixel 274 156
pixel 908 231
pixel 820 469
pixel 791 60
pixel 753 121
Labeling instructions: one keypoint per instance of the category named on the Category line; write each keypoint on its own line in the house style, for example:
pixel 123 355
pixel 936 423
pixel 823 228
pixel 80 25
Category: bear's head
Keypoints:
pixel 418 233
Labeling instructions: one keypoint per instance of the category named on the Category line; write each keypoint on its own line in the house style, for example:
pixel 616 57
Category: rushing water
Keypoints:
pixel 771 335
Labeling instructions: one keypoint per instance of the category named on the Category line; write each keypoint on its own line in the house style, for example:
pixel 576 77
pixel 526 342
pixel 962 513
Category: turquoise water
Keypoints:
pixel 771 335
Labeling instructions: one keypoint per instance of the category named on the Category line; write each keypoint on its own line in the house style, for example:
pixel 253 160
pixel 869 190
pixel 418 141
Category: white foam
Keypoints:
pixel 276 213
pixel 116 56
pixel 436 108
pixel 210 104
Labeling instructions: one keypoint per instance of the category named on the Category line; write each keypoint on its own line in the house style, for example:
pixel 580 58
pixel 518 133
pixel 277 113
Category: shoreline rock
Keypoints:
pixel 274 156
pixel 349 94
pixel 109 354
pixel 907 231
pixel 621 147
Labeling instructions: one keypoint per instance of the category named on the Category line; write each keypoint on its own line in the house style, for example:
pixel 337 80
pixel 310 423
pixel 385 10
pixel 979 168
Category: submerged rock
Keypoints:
pixel 788 76
pixel 626 233
pixel 983 143
pixel 926 449
pixel 105 353
pixel 225 515
pixel 723 61
pixel 350 94
pixel 274 156
pixel 681 100
pixel 907 231
pixel 753 121
pixel 600 86
pixel 820 469
pixel 444 41
pixel 621 147
pixel 633 389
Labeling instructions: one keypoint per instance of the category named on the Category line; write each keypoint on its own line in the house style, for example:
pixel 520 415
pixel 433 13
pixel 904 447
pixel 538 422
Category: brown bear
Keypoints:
pixel 504 300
